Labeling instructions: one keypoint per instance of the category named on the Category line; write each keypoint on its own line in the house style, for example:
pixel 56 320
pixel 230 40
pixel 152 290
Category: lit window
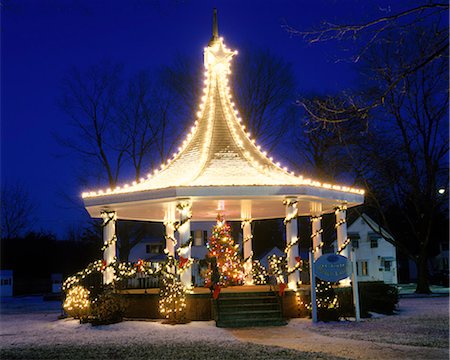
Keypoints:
pixel 153 248
pixel 200 237
pixel 362 268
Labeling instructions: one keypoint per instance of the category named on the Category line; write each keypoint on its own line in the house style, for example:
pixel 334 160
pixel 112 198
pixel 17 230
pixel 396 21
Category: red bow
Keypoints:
pixel 140 265
pixel 103 265
pixel 182 262
pixel 298 259
pixel 282 288
pixel 216 291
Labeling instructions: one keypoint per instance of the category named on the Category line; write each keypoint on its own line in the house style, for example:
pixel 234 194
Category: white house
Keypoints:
pixel 376 257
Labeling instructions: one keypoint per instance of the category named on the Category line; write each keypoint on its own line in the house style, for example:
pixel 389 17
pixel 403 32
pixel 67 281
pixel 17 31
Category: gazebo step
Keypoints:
pixel 229 308
pixel 250 315
pixel 248 299
pixel 249 309
pixel 238 323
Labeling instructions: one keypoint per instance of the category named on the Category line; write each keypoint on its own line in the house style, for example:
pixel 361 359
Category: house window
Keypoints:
pixel 362 268
pixel 200 237
pixel 373 242
pixel 153 248
pixel 354 238
pixel 387 265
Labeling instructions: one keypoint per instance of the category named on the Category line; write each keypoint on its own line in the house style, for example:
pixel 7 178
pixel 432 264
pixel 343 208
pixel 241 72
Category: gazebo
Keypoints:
pixel 220 167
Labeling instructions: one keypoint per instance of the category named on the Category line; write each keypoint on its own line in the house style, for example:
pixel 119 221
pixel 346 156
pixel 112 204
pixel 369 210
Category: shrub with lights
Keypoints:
pixel 221 246
pixel 77 303
pixel 277 267
pixel 259 273
pixel 172 300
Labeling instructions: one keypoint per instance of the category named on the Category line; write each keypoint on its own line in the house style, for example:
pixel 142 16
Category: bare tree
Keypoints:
pixel 265 92
pixel 90 100
pixel 369 35
pixel 17 211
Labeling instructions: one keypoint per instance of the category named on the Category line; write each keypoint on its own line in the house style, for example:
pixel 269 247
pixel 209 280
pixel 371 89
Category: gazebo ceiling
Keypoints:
pixel 262 202
pixel 218 160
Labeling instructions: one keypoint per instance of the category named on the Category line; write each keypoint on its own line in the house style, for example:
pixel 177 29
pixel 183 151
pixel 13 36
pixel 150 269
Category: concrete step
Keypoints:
pixel 239 323
pixel 250 315
pixel 227 307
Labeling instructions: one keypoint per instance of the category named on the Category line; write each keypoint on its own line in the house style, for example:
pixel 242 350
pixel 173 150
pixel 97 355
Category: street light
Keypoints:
pixel 441 191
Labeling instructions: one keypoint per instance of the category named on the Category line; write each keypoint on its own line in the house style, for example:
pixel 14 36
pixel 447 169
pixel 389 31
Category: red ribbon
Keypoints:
pixel 216 291
pixel 103 265
pixel 140 265
pixel 182 262
pixel 298 259
pixel 282 288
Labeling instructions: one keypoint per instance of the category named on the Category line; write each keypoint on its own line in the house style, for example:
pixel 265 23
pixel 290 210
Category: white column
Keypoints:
pixel 109 244
pixel 248 252
pixel 342 238
pixel 169 220
pixel 341 231
pixel 184 208
pixel 292 242
pixel 316 235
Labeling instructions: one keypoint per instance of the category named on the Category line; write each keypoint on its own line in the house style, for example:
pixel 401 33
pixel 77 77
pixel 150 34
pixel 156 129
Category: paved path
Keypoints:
pixel 304 340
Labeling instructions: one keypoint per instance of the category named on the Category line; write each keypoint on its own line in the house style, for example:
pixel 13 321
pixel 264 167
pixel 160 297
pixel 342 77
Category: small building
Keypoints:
pixel 6 283
pixel 375 257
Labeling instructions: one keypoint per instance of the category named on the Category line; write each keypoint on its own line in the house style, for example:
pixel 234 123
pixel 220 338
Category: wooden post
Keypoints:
pixel 355 285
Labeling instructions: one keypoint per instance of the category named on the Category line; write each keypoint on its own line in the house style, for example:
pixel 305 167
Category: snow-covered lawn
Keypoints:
pixel 420 322
pixel 30 330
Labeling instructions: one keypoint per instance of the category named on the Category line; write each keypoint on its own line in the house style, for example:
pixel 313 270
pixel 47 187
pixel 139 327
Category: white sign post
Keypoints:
pixel 355 285
pixel 312 274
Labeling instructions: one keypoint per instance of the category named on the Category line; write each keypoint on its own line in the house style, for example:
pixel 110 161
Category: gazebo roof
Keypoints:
pixel 218 156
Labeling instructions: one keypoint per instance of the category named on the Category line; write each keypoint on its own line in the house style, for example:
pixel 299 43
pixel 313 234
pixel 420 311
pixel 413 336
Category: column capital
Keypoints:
pixel 290 201
pixel 108 215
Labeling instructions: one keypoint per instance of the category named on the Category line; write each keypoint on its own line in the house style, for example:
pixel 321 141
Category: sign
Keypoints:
pixel 331 267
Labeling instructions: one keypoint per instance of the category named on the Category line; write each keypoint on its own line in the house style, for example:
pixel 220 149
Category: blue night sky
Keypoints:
pixel 41 40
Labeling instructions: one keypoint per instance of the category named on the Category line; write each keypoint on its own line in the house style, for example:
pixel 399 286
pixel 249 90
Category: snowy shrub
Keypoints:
pixel 77 303
pixel 108 308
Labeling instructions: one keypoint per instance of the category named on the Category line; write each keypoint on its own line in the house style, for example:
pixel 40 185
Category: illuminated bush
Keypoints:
pixel 77 303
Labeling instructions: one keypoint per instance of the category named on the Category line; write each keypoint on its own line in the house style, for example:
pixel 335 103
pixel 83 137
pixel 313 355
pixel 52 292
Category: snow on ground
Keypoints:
pixel 30 330
pixel 420 322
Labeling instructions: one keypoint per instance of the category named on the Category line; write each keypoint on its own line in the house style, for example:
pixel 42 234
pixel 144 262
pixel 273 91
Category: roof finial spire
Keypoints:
pixel 215 32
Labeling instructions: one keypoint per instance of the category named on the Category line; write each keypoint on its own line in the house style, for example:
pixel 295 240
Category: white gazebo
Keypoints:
pixel 220 167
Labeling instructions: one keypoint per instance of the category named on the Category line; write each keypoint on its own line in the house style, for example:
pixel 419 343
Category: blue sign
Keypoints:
pixel 331 267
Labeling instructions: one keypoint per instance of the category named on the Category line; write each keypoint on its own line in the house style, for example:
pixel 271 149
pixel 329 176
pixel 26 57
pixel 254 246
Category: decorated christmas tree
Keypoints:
pixel 221 246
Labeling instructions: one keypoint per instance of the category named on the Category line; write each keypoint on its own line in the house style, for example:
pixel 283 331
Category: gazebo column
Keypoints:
pixel 342 238
pixel 341 231
pixel 169 224
pixel 109 244
pixel 316 235
pixel 184 250
pixel 248 251
pixel 292 242
pixel 246 225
